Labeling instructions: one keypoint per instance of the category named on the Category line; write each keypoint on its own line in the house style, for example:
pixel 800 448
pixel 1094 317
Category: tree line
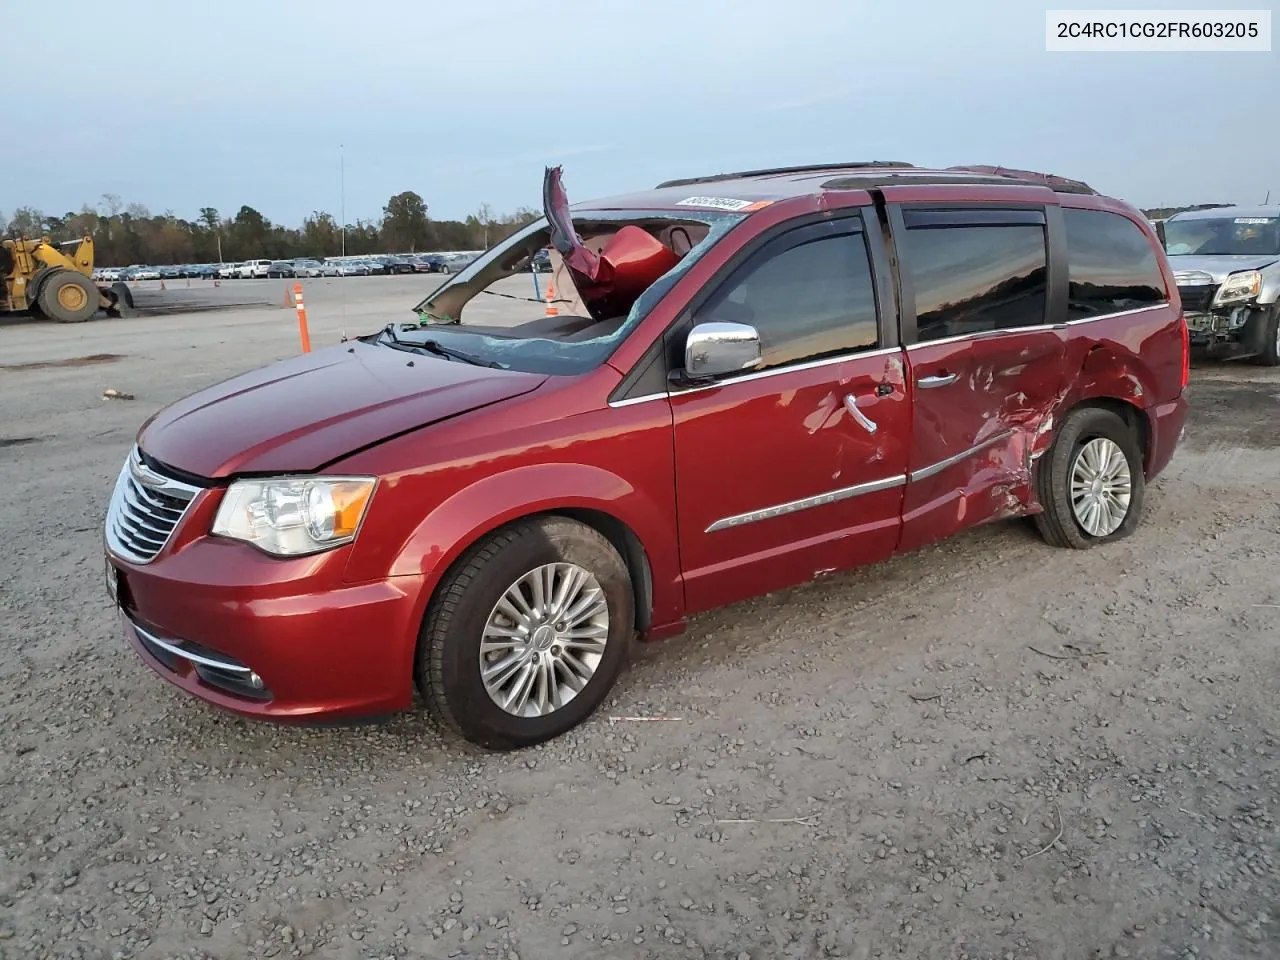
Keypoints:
pixel 131 234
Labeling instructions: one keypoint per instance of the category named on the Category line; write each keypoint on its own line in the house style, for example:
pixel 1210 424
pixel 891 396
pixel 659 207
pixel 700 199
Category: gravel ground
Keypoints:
pixel 988 749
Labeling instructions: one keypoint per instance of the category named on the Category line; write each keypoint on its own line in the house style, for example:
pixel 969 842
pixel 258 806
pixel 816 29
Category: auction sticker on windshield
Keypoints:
pixel 723 203
pixel 1254 220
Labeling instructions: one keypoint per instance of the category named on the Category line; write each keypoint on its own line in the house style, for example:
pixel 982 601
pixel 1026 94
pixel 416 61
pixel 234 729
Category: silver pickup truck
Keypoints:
pixel 1226 262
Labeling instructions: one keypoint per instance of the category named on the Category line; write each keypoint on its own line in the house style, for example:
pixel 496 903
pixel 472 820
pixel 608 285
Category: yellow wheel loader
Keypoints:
pixel 40 278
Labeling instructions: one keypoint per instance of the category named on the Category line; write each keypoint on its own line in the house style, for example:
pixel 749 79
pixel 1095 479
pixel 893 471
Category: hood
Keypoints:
pixel 1217 267
pixel 304 412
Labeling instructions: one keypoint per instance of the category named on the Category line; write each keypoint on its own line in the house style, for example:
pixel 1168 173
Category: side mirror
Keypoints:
pixel 716 349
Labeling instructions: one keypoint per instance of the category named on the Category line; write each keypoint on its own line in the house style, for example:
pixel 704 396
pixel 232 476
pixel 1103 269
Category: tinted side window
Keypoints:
pixel 1112 266
pixel 811 300
pixel 975 278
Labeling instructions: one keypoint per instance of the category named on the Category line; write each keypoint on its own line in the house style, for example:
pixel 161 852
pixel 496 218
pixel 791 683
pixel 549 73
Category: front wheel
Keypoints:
pixel 1269 355
pixel 1090 482
pixel 68 297
pixel 527 634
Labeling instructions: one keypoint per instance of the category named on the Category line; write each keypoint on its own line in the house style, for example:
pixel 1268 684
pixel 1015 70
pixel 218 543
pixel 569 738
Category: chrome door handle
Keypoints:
pixel 928 383
pixel 865 422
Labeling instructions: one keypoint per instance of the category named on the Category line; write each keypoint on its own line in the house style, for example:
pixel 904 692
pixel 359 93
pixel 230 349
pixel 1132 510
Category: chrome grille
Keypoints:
pixel 145 508
pixel 1196 289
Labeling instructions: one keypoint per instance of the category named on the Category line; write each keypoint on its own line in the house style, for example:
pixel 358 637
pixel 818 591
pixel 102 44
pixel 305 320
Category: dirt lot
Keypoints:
pixel 990 749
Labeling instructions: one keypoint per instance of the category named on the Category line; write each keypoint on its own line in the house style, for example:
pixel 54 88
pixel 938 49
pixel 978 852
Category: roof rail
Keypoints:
pixel 889 178
pixel 1054 182
pixel 774 171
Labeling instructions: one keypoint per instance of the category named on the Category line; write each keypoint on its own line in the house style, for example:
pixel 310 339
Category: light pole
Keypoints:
pixel 342 196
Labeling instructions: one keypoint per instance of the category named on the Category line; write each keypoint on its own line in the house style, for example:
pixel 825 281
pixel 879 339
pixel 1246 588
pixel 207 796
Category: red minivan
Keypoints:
pixel 747 380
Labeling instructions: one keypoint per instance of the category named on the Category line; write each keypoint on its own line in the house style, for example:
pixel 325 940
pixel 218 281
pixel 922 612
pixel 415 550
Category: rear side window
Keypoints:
pixel 974 278
pixel 1112 266
pixel 808 298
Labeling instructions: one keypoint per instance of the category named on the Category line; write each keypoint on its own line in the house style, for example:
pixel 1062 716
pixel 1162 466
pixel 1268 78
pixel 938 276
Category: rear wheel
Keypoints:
pixel 1090 483
pixel 68 297
pixel 527 634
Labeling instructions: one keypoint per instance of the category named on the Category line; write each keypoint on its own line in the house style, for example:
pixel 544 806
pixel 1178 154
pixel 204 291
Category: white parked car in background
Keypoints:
pixel 228 270
pixel 254 269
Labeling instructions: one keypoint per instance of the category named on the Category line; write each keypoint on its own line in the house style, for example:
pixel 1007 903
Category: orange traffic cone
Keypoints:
pixel 162 283
pixel 551 298
pixel 287 303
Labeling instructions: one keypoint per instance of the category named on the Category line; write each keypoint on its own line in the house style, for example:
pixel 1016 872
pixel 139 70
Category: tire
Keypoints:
pixel 445 270
pixel 447 666
pixel 68 297
pixel 1058 523
pixel 1269 355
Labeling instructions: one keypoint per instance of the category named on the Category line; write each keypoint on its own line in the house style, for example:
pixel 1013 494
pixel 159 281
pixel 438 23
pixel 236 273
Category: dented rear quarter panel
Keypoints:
pixel 1133 357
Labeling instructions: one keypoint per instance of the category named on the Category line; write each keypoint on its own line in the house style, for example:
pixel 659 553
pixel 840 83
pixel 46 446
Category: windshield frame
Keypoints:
pixel 1175 228
pixel 555 356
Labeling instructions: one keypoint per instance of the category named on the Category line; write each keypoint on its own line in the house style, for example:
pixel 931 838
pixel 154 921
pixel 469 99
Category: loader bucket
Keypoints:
pixel 117 300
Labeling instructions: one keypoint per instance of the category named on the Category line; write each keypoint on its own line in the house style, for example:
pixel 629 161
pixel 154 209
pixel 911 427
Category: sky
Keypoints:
pixel 295 106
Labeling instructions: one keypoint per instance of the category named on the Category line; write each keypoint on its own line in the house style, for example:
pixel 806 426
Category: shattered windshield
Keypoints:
pixel 520 306
pixel 1223 237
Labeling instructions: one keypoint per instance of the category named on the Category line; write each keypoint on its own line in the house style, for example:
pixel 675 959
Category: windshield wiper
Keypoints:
pixel 434 346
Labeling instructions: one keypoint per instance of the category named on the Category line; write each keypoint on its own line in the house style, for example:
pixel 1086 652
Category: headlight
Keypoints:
pixel 291 516
pixel 1239 286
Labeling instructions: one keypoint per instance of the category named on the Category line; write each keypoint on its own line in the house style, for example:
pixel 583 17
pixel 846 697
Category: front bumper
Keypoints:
pixel 1241 328
pixel 1208 328
pixel 277 647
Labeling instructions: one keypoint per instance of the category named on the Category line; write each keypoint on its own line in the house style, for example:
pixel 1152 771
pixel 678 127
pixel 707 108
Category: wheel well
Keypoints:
pixel 611 528
pixel 1133 416
pixel 632 551
pixel 36 282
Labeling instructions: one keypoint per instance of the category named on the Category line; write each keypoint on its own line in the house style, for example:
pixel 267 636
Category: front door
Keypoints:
pixel 985 364
pixel 796 468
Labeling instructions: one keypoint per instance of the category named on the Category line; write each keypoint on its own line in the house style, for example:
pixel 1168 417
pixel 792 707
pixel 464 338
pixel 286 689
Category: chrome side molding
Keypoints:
pixel 807 503
pixel 924 473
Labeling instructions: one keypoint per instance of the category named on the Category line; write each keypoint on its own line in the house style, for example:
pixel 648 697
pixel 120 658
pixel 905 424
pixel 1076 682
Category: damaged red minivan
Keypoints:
pixel 749 380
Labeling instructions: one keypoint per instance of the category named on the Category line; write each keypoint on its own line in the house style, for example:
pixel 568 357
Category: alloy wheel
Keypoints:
pixel 1101 487
pixel 544 639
